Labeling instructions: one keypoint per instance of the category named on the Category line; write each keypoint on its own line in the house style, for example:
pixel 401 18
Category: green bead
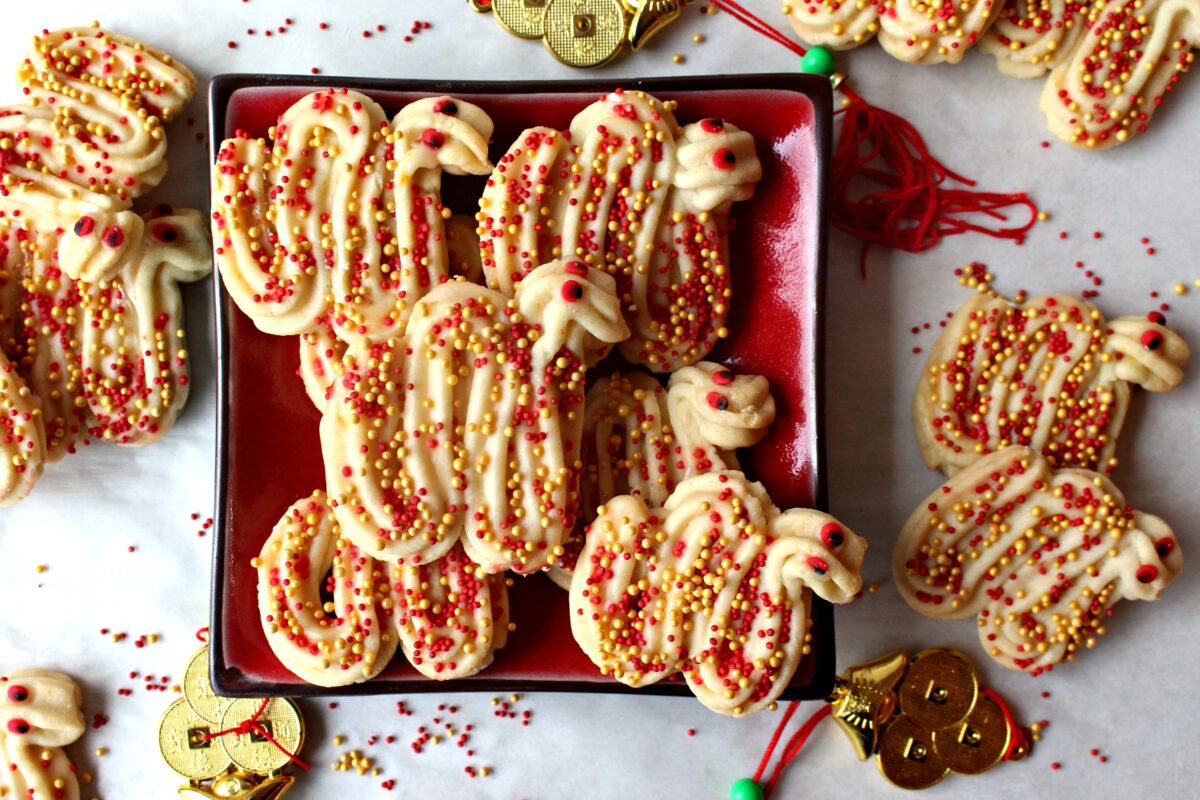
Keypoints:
pixel 817 61
pixel 746 788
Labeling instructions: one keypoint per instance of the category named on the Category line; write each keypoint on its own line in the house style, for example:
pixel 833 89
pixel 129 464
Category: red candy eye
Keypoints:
pixel 113 236
pixel 1164 546
pixel 722 377
pixel 1152 340
pixel 18 694
pixel 433 139
pixel 818 565
pixel 165 233
pixel 84 226
pixel 712 125
pixel 445 107
pixel 832 535
pixel 576 268
pixel 1147 573
pixel 1157 318
pixel 572 291
pixel 18 726
pixel 718 401
pixel 724 159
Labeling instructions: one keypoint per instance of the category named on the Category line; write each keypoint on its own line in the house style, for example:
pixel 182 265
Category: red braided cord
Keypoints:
pixel 798 740
pixel 252 725
pixel 757 24
pixel 787 716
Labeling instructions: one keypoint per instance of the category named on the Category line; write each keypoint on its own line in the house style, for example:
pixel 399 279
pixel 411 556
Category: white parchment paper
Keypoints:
pixel 1133 698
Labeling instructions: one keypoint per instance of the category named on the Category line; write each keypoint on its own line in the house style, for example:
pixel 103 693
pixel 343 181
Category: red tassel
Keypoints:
pixel 907 206
pixel 887 188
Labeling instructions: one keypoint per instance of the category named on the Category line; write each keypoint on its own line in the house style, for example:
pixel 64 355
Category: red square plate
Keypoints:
pixel 268 448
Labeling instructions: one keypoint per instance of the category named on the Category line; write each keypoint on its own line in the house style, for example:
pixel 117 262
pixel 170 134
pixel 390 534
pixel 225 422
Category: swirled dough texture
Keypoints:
pixel 339 220
pixel 468 427
pixel 1133 54
pixel 22 436
pixel 448 615
pixel 642 439
pixel 1032 37
pixel 1050 373
pixel 716 585
pixel 626 190
pixel 836 24
pixel 1040 555
pixel 40 712
pixel 90 310
pixel 934 31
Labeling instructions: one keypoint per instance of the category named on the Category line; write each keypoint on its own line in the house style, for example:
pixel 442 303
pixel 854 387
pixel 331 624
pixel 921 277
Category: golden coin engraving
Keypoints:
pixel 939 689
pixel 585 33
pixel 976 744
pixel 198 691
pixel 253 751
pixel 907 756
pixel 181 740
pixel 521 17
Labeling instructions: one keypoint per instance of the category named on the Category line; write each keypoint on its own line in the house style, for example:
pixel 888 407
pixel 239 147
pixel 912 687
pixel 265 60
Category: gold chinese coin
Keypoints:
pixel 585 33
pixel 521 17
pixel 939 689
pixel 183 746
pixel 907 756
pixel 198 690
pixel 977 743
pixel 254 752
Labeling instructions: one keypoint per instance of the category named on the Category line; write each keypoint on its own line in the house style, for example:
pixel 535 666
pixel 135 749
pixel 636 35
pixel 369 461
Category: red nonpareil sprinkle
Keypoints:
pixel 232 45
pixel 1062 234
pixel 1056 765
pixel 1097 234
pixel 1045 694
pixel 333 705
pixel 323 26
pixel 379 28
pixel 691 732
pixel 315 71
pixel 1045 144
pixel 366 34
pixel 99 721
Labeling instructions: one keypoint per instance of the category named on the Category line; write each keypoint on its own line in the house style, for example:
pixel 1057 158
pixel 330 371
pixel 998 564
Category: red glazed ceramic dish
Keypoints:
pixel 269 452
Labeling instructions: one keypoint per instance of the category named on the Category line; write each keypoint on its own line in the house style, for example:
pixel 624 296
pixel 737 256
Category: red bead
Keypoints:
pixel 18 694
pixel 1164 546
pixel 1147 573
pixel 1152 340
pixel 1157 318
pixel 722 377
pixel 433 139
pixel 113 236
pixel 724 159
pixel 832 535
pixel 818 565
pixel 572 291
pixel 712 125
pixel 84 226
pixel 18 727
pixel 445 106
pixel 576 268
pixel 165 233
pixel 718 401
